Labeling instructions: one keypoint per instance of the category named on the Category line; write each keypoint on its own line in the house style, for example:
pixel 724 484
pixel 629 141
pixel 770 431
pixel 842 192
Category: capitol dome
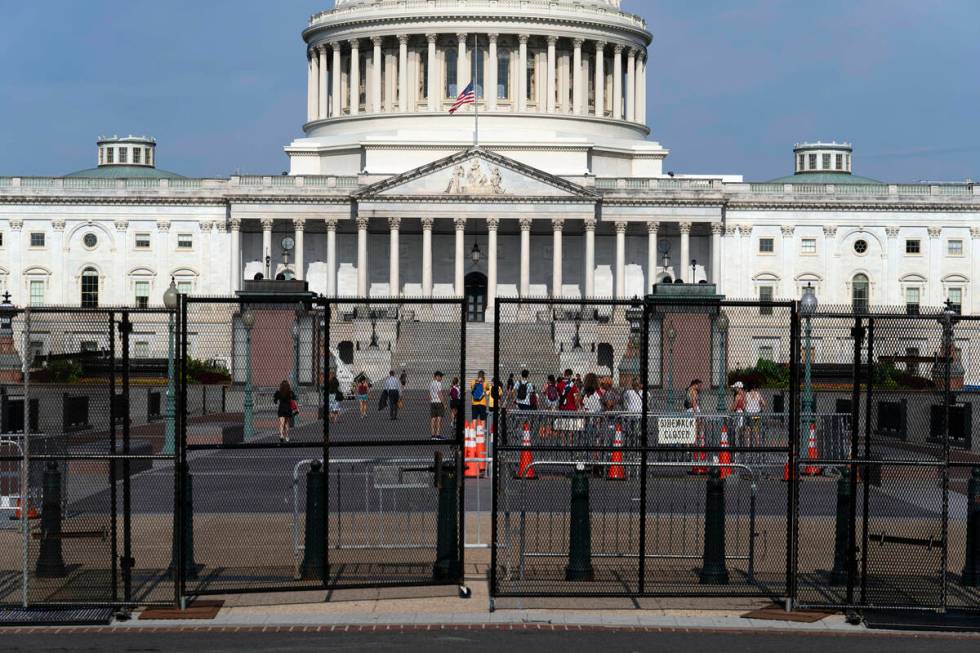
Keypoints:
pixel 560 84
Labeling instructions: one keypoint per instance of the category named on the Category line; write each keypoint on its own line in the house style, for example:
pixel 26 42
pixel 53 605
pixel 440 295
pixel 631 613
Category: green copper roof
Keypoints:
pixel 125 172
pixel 824 178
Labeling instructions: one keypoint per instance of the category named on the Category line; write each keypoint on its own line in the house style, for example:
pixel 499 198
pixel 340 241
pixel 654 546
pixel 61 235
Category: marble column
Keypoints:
pixel 717 230
pixel 892 289
pixel 336 101
pixel 789 262
pixel 490 92
pixel 235 229
pixel 324 76
pixel 355 77
pixel 935 267
pixel 331 226
pixel 652 230
pixel 120 264
pixel 362 257
pixel 641 89
pixel 492 225
pixel 621 259
pixel 403 73
pixel 376 63
pixel 394 284
pixel 462 70
pixel 828 250
pixel 432 63
pixel 731 251
pixel 557 225
pixel 685 261
pixel 459 262
pixel 525 256
pixel 266 247
pixel 550 81
pixel 631 85
pixel 299 228
pixel 522 73
pixel 427 256
pixel 577 85
pixel 600 79
pixel 617 82
pixel 311 88
pixel 589 224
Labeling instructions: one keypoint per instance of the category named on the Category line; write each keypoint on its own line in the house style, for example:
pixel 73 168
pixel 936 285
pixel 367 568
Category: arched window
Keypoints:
pixel 90 288
pixel 860 291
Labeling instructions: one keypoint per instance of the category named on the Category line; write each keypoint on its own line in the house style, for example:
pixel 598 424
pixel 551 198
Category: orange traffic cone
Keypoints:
pixel 700 456
pixel 481 447
pixel 616 471
pixel 31 510
pixel 725 457
pixel 525 470
pixel 812 454
pixel 471 468
pixel 786 475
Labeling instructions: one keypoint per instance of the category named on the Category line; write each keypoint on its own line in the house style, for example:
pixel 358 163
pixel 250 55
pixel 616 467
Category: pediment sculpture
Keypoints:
pixel 473 180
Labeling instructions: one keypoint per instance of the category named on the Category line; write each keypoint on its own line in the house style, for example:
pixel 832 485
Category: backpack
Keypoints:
pixel 552 393
pixel 522 389
pixel 478 392
pixel 687 404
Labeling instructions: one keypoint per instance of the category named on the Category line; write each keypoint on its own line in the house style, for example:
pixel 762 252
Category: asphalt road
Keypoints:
pixel 486 640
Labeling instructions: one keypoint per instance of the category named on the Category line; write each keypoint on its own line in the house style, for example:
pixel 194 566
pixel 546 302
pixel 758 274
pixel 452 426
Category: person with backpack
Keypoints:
pixel 455 399
pixel 524 395
pixel 479 391
pixel 551 393
pixel 569 400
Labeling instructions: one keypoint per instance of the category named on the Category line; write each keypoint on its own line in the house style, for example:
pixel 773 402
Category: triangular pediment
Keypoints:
pixel 478 175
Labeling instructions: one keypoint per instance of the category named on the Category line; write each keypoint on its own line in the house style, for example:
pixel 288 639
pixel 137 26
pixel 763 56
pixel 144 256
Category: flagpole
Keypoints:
pixel 476 95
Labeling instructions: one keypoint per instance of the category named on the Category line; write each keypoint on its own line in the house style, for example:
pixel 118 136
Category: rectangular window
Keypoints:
pixel 954 248
pixel 136 154
pixel 955 297
pixel 802 162
pixel 503 75
pixel 913 246
pixel 90 290
pixel 450 68
pixel 185 241
pixel 766 246
pixel 37 239
pixel 840 161
pixel 826 162
pixel 109 152
pixel 765 295
pixel 808 246
pixel 185 287
pixel 912 367
pixel 142 240
pixel 142 294
pixel 912 301
pixel 37 293
pixel 37 348
pixel 123 153
pixel 813 162
pixel 141 349
pixel 1 239
pixel 532 78
pixel 146 155
pixel 88 345
pixel 766 353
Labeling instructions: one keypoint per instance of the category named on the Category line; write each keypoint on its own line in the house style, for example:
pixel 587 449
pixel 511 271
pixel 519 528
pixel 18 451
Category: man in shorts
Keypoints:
pixel 437 405
pixel 479 392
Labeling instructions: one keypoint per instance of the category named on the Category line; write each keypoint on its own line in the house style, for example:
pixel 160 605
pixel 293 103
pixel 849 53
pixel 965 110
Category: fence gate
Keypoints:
pixel 256 511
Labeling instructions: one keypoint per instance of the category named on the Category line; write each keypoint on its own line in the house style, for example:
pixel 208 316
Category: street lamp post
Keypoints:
pixel 808 306
pixel 170 303
pixel 721 323
pixel 248 321
pixel 671 337
pixel 296 353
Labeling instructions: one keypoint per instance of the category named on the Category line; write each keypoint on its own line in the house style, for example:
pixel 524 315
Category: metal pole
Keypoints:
pixel 248 403
pixel 808 407
pixel 168 437
pixel 113 496
pixel 296 354
pixel 722 377
pixel 857 333
pixel 25 467
pixel 325 447
pixel 792 458
pixel 643 440
pixel 670 372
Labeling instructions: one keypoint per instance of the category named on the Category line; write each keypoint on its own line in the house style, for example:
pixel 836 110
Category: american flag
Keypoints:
pixel 468 96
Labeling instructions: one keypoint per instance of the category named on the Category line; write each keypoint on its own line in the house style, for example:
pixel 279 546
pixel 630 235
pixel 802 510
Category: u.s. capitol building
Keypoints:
pixel 566 193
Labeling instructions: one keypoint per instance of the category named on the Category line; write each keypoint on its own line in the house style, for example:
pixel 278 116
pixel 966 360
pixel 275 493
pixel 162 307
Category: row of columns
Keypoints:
pixel 493 224
pixel 627 104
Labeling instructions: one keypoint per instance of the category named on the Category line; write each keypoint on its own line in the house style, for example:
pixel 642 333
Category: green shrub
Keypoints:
pixel 206 372
pixel 59 371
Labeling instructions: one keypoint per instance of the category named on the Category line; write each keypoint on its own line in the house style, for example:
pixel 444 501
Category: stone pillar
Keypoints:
pixel 362 257
pixel 641 89
pixel 789 262
pixel 311 87
pixel 557 224
pixel 550 78
pixel 403 73
pixel 717 229
pixel 734 265
pixel 235 227
pixel 459 262
pixel 266 247
pixel 491 92
pixel 525 256
pixel 652 229
pixel 631 85
pixel 376 62
pixel 522 73
pixel 355 77
pixel 975 262
pixel 432 63
pixel 600 79
pixel 427 256
pixel 621 259
pixel 492 224
pixel 299 227
pixel 935 267
pixel 618 82
pixel 337 104
pixel 324 76
pixel 685 261
pixel 577 85
pixel 394 285
pixel 331 225
pixel 892 288
pixel 462 70
pixel 828 249
pixel 589 224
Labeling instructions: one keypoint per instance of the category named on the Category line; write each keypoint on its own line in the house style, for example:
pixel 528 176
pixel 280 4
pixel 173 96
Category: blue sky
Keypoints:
pixel 732 84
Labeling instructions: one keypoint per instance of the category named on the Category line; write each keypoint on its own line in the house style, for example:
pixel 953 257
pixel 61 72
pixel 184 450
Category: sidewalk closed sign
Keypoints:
pixel 676 430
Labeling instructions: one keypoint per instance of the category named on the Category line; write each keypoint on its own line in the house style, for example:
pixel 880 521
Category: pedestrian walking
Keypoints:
pixel 550 393
pixel 510 390
pixel 754 405
pixel 286 408
pixel 362 391
pixel 437 406
pixel 524 392
pixel 479 393
pixel 403 380
pixel 569 401
pixel 334 396
pixel 390 395
pixel 455 398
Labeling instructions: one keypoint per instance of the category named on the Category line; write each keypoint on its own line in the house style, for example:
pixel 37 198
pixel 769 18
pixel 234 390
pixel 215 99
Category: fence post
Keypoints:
pixel 185 538
pixel 971 567
pixel 842 527
pixel 447 566
pixel 713 570
pixel 50 563
pixel 580 531
pixel 315 536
